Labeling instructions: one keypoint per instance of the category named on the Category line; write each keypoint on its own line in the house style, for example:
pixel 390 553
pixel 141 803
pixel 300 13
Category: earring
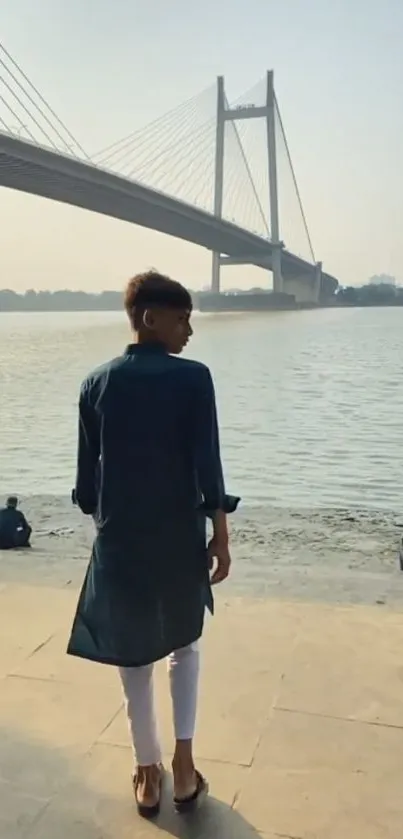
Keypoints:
pixel 145 320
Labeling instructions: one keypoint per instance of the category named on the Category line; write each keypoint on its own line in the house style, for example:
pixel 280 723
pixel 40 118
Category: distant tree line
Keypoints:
pixel 56 301
pixel 373 294
pixel 63 301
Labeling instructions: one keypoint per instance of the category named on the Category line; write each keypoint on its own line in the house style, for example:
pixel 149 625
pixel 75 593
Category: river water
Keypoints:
pixel 310 403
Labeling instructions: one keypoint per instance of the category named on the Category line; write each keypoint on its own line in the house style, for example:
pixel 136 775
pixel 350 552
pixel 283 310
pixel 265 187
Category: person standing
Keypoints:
pixel 149 471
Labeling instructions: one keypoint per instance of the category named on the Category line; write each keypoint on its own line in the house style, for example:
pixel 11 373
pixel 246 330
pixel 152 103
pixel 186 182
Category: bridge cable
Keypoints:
pixel 253 149
pixel 29 97
pixel 179 138
pixel 161 146
pixel 178 175
pixel 158 120
pixel 27 111
pixel 16 116
pixel 294 179
pixel 233 183
pixel 128 146
pixel 248 169
pixel 206 181
pixel 140 131
pixel 234 202
pixel 249 202
pixel 44 101
pixel 243 202
pixel 249 95
pixel 206 128
pixel 197 158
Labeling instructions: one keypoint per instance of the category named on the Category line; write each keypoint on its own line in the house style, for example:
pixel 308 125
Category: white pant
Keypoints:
pixel 138 688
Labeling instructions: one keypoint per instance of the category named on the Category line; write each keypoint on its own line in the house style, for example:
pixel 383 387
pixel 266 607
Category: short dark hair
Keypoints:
pixel 12 501
pixel 153 289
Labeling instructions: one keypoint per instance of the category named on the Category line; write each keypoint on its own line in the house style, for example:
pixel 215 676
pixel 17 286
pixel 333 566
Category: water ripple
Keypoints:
pixel 311 403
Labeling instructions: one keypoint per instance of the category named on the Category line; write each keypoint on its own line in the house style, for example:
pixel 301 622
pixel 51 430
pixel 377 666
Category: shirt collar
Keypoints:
pixel 152 347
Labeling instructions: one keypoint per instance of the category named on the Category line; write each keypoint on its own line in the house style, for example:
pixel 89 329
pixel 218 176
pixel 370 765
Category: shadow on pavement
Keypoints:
pixel 42 796
pixel 214 820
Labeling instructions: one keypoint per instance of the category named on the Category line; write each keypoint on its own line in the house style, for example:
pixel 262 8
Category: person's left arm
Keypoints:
pixel 22 522
pixel 206 442
pixel 88 453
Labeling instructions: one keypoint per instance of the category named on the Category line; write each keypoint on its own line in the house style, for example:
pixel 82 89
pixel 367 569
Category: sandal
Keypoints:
pixel 187 805
pixel 147 811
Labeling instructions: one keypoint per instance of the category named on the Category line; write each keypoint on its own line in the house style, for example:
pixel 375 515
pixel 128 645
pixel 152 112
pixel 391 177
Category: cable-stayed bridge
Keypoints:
pixel 214 173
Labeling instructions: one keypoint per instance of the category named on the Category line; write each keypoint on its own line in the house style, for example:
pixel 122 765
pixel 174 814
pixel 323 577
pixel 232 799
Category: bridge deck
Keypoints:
pixel 39 171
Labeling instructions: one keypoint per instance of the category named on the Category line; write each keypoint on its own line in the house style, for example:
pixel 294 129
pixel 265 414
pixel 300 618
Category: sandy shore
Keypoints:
pixel 338 556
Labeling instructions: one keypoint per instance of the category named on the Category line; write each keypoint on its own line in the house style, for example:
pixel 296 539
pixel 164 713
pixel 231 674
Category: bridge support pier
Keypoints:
pixel 225 114
pixel 269 112
pixel 215 274
pixel 278 284
pixel 273 187
pixel 318 282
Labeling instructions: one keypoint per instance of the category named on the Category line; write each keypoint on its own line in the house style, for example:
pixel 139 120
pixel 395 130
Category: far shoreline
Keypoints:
pixel 321 307
pixel 372 295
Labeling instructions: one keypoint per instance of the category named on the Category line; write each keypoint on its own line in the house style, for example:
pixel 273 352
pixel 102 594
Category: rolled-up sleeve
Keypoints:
pixel 206 442
pixel 88 453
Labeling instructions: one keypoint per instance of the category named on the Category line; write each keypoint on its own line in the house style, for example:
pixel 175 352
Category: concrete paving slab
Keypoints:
pixel 18 812
pixel 29 618
pixel 349 670
pixel 320 770
pixel 31 766
pixel 50 607
pixel 314 777
pixel 36 716
pixel 51 663
pixel 237 674
pixel 101 804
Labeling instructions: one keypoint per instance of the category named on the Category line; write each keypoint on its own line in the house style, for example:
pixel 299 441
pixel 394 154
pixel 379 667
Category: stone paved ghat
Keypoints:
pixel 300 728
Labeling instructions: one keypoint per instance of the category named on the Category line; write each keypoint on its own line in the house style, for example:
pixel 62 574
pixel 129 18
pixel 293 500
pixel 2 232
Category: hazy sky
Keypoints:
pixel 110 66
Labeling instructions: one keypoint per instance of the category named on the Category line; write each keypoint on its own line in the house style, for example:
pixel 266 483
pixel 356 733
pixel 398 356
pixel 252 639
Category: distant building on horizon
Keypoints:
pixel 383 279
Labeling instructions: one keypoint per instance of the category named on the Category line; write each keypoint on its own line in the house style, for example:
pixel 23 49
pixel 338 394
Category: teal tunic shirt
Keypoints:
pixel 149 469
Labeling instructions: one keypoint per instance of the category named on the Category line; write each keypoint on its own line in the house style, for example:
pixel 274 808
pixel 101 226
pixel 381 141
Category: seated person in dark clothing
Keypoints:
pixel 15 531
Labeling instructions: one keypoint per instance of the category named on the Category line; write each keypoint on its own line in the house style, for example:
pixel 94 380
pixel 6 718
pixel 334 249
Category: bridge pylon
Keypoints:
pixel 227 114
